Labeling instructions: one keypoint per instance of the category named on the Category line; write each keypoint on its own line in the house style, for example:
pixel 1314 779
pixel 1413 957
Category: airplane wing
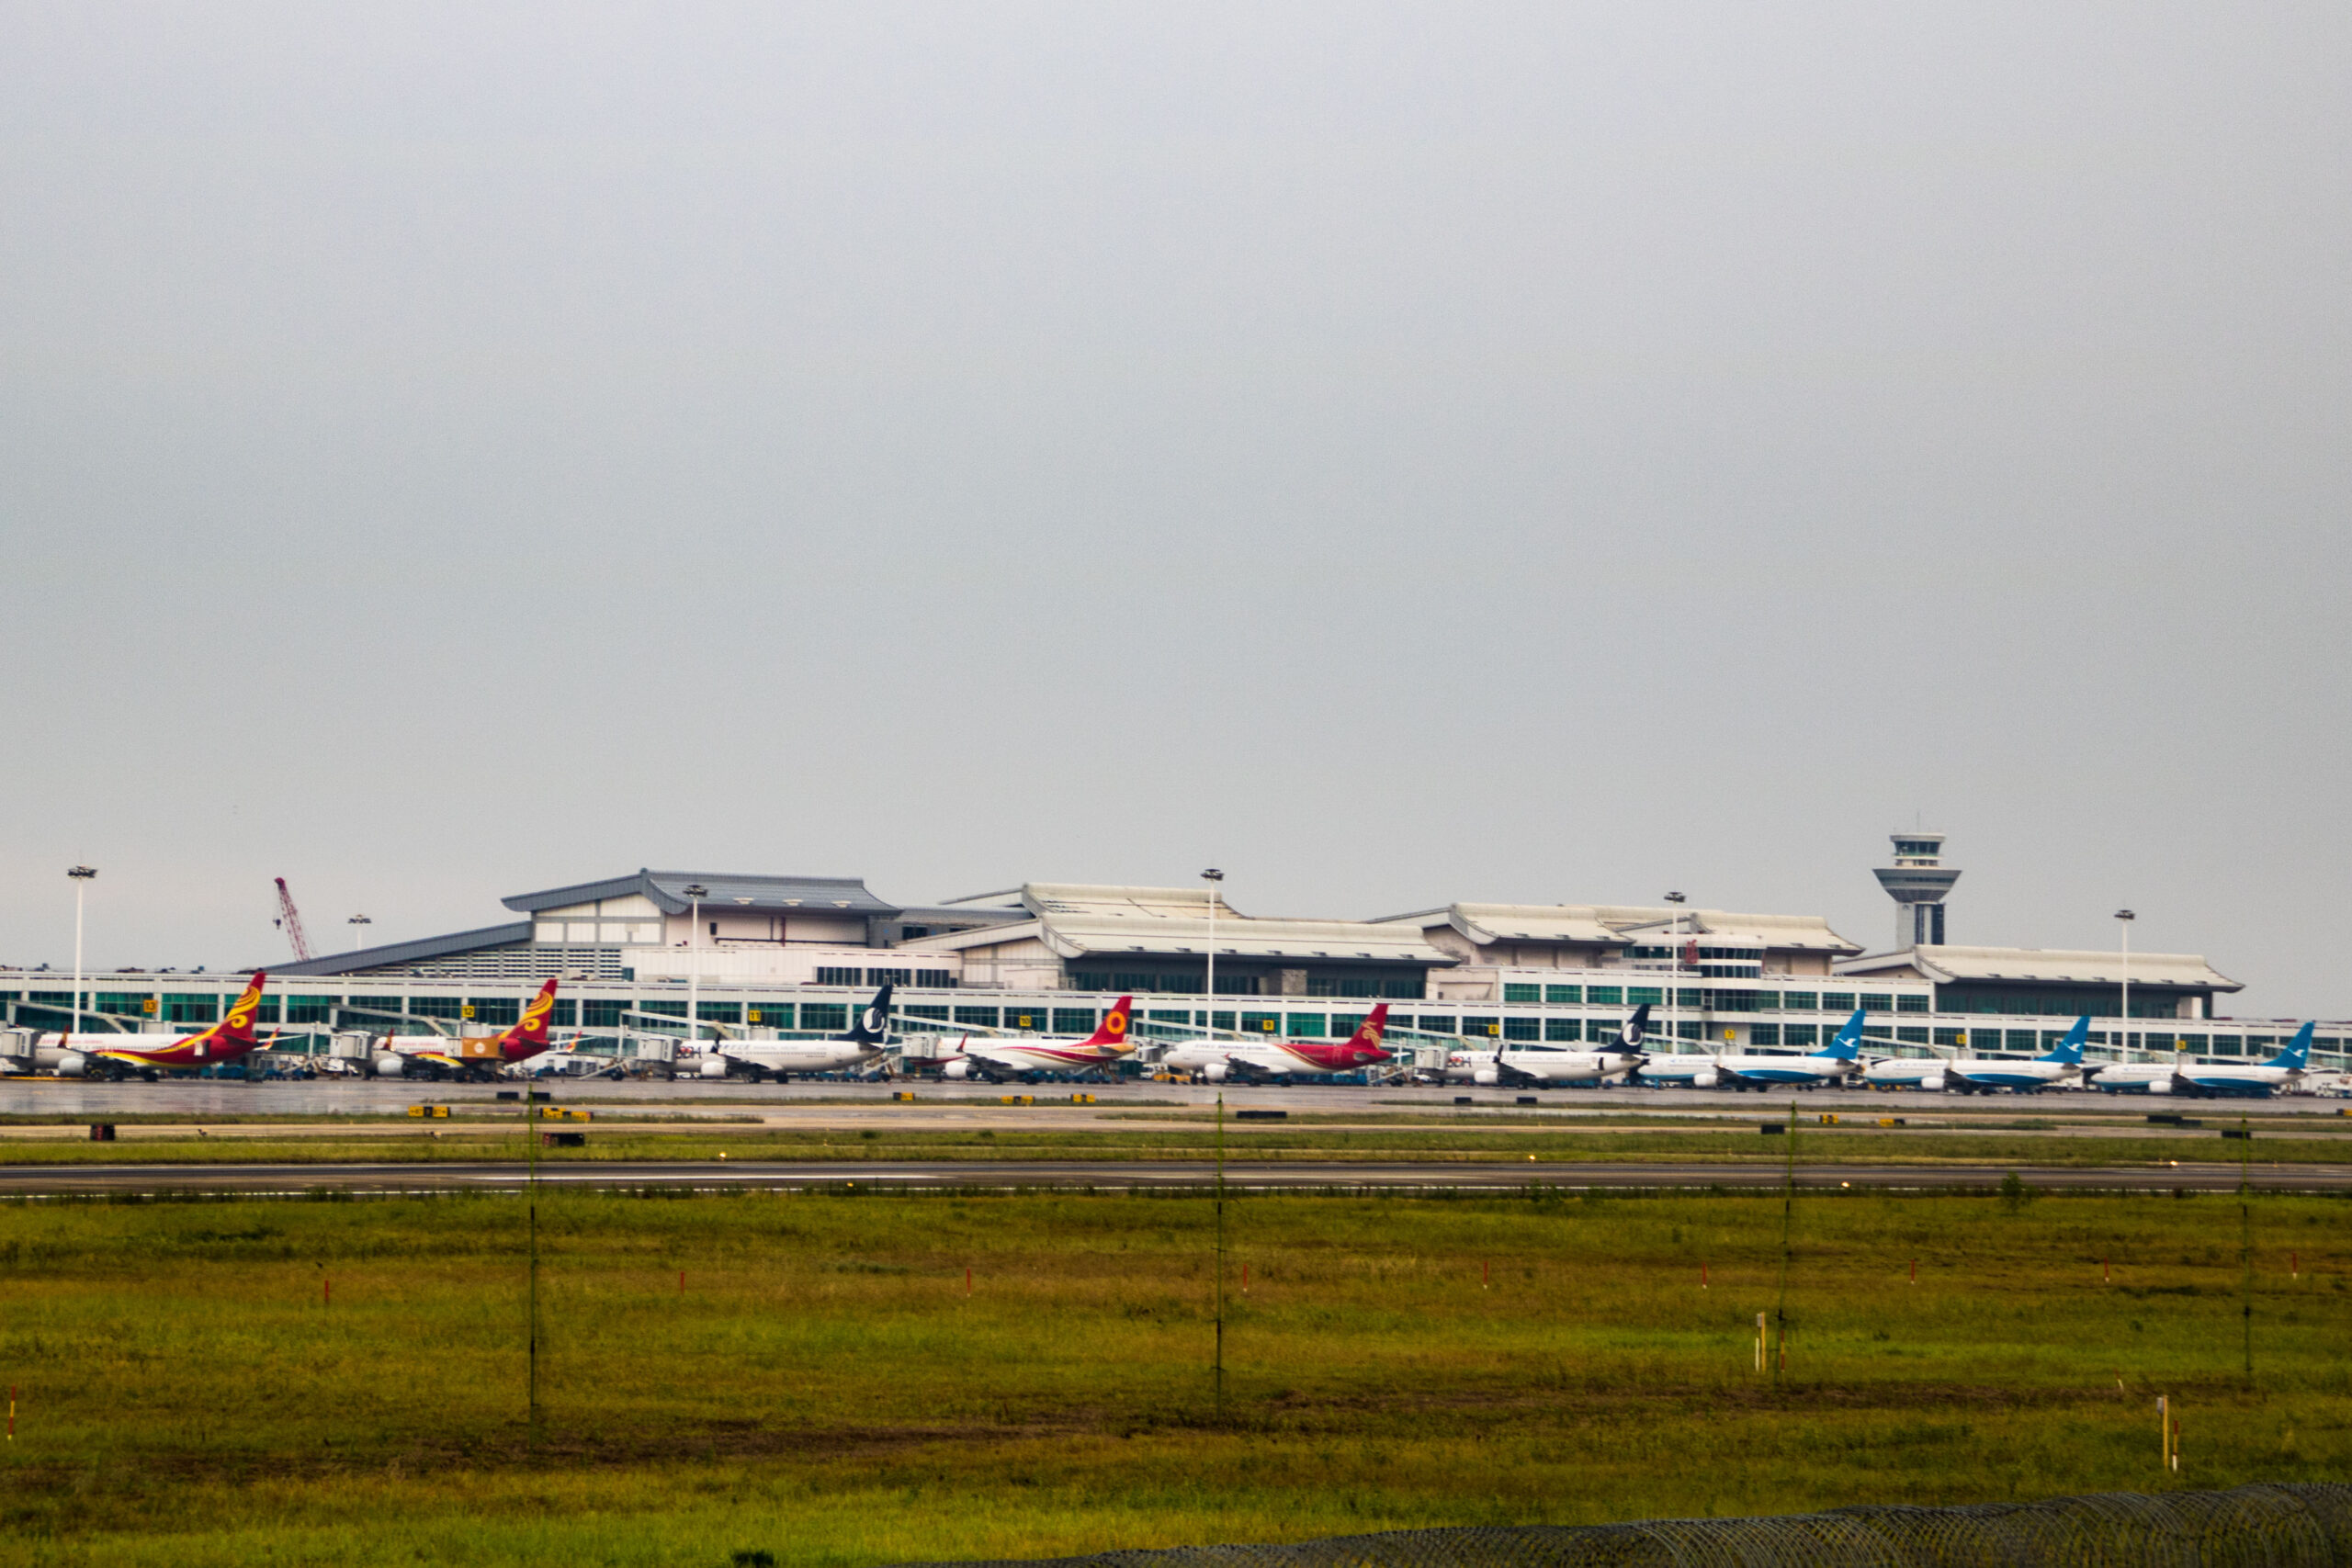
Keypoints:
pixel 439 1059
pixel 127 1058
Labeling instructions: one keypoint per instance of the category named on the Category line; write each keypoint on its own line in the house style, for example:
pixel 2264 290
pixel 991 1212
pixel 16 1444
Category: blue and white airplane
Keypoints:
pixel 1832 1063
pixel 1980 1074
pixel 2252 1080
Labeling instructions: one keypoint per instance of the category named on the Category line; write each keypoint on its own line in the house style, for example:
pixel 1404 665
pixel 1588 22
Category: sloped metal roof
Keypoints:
pixel 398 952
pixel 1113 937
pixel 667 890
pixel 1621 924
pixel 2049 964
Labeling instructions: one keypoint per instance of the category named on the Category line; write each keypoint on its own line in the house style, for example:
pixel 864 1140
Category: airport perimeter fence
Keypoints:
pixel 2250 1526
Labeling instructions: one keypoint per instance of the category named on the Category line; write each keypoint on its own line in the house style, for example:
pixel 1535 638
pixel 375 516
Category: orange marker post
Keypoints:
pixel 682 1282
pixel 1915 1271
pixel 1702 1275
pixel 1485 1275
pixel 12 1413
pixel 326 1292
pixel 1245 1277
pixel 968 1279
pixel 2105 1273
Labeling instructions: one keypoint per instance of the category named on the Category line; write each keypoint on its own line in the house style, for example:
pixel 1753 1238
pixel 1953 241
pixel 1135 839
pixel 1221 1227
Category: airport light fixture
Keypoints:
pixel 358 931
pixel 1213 876
pixel 1673 966
pixel 695 894
pixel 82 875
pixel 2123 923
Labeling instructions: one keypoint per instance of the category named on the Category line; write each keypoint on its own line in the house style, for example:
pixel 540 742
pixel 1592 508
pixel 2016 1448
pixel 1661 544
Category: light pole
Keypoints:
pixel 2125 918
pixel 82 875
pixel 695 894
pixel 1673 966
pixel 358 934
pixel 1212 876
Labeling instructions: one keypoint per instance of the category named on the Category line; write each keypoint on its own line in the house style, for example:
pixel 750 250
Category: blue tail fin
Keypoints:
pixel 2298 1053
pixel 2069 1050
pixel 1847 1044
pixel 872 1027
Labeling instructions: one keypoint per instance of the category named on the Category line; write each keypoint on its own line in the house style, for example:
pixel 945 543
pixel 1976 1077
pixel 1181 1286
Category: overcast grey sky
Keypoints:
pixel 1546 453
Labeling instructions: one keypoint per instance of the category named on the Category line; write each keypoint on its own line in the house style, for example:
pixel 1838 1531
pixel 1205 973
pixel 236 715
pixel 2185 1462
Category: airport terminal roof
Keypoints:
pixel 1077 920
pixel 391 955
pixel 1615 923
pixel 667 889
pixel 2049 966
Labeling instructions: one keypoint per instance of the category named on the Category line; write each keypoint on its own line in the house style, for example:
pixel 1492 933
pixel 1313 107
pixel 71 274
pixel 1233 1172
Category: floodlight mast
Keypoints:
pixel 695 892
pixel 1213 876
pixel 82 875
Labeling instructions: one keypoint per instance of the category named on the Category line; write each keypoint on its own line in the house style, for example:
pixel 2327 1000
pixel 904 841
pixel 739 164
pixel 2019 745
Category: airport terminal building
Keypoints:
pixel 766 956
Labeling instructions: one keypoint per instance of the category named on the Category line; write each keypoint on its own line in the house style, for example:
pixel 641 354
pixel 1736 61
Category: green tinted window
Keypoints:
pixel 984 1017
pixel 1564 993
pixel 1911 1001
pixel 824 1015
pixel 1764 1035
pixel 1523 993
pixel 1636 995
pixel 1563 1029
pixel 1523 1028
pixel 1799 1002
pixel 1605 996
pixel 1482 1028
pixel 1433 1024
pixel 771 1015
pixel 1306 1025
pixel 1837 1002
pixel 719 1013
pixel 1260 1022
pixel 1599 1029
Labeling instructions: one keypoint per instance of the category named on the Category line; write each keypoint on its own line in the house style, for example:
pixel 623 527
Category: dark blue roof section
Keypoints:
pixel 409 952
pixel 667 889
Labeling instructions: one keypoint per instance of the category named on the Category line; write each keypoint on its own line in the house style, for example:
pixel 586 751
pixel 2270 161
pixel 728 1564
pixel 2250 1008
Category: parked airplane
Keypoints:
pixel 1980 1075
pixel 1831 1064
pixel 480 1057
pixel 1545 1069
pixel 999 1060
pixel 758 1059
pixel 148 1056
pixel 1252 1062
pixel 2255 1081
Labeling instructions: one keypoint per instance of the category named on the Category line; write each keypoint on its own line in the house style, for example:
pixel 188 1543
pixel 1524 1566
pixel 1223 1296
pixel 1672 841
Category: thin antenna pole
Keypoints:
pixel 1220 1255
pixel 1788 1215
pixel 2245 1237
pixel 531 1147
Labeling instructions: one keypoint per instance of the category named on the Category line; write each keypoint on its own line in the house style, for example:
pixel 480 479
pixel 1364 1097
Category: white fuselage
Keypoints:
pixel 1967 1073
pixel 1006 1058
pixel 1544 1066
pixel 1778 1072
pixel 2194 1079
pixel 782 1058
pixel 1272 1059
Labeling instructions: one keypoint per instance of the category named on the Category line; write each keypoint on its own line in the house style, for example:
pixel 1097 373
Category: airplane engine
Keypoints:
pixel 713 1067
pixel 956 1070
pixel 73 1065
pixel 1933 1082
pixel 389 1065
pixel 1703 1079
pixel 2160 1086
pixel 1486 1078
pixel 1215 1072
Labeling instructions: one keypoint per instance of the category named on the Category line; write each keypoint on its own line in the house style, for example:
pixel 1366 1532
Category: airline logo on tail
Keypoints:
pixel 1634 1029
pixel 238 1025
pixel 873 1026
pixel 1370 1032
pixel 2297 1057
pixel 529 1036
pixel 1112 1033
pixel 2068 1052
pixel 1847 1044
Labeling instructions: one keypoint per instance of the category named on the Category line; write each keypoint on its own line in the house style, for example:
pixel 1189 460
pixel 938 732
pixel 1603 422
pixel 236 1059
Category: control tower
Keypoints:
pixel 1918 882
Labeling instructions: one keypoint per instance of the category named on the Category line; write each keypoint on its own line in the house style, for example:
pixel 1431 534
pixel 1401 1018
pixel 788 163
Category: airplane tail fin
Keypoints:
pixel 1112 1033
pixel 1847 1044
pixel 1375 1025
pixel 872 1027
pixel 1636 1029
pixel 239 1025
pixel 533 1029
pixel 2298 1053
pixel 2069 1050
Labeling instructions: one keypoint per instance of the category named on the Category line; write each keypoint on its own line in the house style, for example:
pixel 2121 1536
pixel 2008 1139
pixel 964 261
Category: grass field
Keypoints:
pixel 824 1389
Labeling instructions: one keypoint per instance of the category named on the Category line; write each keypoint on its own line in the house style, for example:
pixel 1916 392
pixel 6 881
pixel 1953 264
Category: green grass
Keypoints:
pixel 399 1139
pixel 824 1389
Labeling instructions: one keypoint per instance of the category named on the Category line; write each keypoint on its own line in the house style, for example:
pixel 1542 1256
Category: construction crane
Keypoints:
pixel 289 921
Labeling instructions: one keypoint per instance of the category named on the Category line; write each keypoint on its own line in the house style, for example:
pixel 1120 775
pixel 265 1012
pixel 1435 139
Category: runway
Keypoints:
pixel 1353 1176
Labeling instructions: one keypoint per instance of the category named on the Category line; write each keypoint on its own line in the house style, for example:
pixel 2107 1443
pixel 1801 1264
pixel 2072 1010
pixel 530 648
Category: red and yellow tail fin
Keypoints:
pixel 1375 1025
pixel 533 1029
pixel 1112 1033
pixel 239 1025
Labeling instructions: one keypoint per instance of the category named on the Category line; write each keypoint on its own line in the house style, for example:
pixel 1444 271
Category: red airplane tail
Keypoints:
pixel 238 1025
pixel 532 1031
pixel 1366 1039
pixel 1112 1031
